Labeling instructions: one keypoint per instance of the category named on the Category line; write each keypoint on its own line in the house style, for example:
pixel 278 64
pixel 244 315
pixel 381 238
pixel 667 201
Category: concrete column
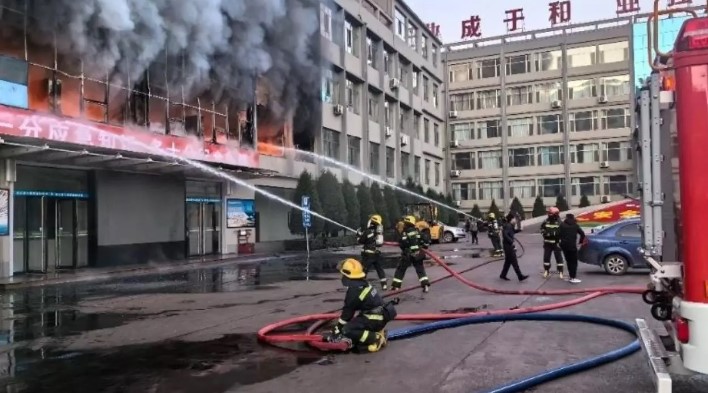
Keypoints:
pixel 8 174
pixel 504 133
pixel 566 127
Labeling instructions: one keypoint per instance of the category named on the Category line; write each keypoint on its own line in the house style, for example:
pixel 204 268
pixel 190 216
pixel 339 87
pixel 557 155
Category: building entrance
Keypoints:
pixel 203 226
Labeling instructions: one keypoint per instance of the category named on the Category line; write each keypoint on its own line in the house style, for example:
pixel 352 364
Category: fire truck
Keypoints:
pixel 672 142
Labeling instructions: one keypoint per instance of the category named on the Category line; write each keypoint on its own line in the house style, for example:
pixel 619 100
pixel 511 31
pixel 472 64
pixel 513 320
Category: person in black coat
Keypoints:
pixel 569 232
pixel 508 234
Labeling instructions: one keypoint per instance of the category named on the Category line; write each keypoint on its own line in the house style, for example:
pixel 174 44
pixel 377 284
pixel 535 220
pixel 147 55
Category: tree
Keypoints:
pixel 475 211
pixel 351 201
pixel 494 209
pixel 332 200
pixel 539 209
pixel 584 201
pixel 404 198
pixel 453 217
pixel 561 203
pixel 366 205
pixel 393 209
pixel 305 187
pixel 380 204
pixel 517 207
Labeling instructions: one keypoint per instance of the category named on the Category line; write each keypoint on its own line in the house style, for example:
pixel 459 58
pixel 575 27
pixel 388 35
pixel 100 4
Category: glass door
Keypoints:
pixel 194 229
pixel 208 227
pixel 35 236
pixel 82 233
pixel 65 232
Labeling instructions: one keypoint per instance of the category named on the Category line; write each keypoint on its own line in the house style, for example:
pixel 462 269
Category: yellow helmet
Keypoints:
pixel 376 219
pixel 409 220
pixel 492 215
pixel 351 268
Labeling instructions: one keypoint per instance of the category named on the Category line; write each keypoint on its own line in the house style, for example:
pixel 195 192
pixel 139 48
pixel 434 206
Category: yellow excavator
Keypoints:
pixel 426 215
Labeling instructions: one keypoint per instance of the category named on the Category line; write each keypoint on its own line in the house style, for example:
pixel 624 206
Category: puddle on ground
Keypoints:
pixel 176 366
pixel 458 256
pixel 465 310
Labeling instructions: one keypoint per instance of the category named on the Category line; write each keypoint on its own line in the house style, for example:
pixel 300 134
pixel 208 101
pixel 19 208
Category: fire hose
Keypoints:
pixel 444 321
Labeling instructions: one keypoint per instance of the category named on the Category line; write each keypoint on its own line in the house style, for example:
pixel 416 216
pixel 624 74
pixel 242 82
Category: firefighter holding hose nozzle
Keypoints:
pixel 493 232
pixel 372 239
pixel 364 330
pixel 550 230
pixel 412 244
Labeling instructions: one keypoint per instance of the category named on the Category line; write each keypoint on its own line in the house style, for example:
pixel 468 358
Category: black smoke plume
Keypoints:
pixel 212 48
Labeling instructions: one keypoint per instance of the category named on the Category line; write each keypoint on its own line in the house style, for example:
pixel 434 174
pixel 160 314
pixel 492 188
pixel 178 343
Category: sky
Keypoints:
pixel 492 13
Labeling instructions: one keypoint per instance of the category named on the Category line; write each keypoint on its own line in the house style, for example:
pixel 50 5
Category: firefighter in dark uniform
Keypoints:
pixel 493 231
pixel 365 330
pixel 412 244
pixel 372 239
pixel 550 229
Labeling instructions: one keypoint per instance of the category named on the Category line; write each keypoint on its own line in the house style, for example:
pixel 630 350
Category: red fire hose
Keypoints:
pixel 315 340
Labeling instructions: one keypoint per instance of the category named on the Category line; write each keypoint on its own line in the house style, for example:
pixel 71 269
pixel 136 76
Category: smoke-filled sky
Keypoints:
pixel 223 44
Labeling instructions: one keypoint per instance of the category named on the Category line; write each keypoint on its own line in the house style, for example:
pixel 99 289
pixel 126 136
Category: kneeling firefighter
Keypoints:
pixel 366 329
pixel 412 244
pixel 372 239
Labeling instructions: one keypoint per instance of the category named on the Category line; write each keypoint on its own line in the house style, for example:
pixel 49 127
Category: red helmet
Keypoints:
pixel 553 210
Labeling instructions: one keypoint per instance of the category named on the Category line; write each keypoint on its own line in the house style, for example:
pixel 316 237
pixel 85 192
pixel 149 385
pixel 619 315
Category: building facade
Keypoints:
pixel 542 113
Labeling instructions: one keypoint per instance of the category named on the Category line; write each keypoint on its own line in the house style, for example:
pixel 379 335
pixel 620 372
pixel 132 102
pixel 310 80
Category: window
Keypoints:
pixel 581 57
pixel 415 79
pixel 330 140
pixel 520 127
pixel 330 87
pixel 353 96
pixel 326 21
pixel 400 24
pixel 388 114
pixel 550 155
pixel 551 188
pixel 461 192
pixel 521 157
pixel 584 153
pixel 586 185
pixel 390 162
pixel 519 95
pixel 614 53
pixel 374 158
pixel 522 188
pixel 426 130
pixel 550 124
pixel 462 131
pixel 549 92
pixel 488 129
pixel 630 230
pixel 416 169
pixel 427 172
pixel 549 61
pixel 436 134
pixel 462 102
pixel 614 86
pixel 616 118
pixel 351 38
pixel 616 151
pixel 374 103
pixel 424 46
pixel 583 121
pixel 388 63
pixel 436 50
pixel 405 165
pixel 490 159
pixel 489 68
pixel 437 174
pixel 403 119
pixel 426 89
pixel 372 52
pixel 354 145
pixel 581 89
pixel 617 185
pixel 435 94
pixel 460 72
pixel 491 190
pixel 416 125
pixel 488 99
pixel 403 73
pixel 462 161
pixel 519 64
pixel 412 36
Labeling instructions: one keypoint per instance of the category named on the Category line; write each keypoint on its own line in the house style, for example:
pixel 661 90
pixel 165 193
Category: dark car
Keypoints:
pixel 615 248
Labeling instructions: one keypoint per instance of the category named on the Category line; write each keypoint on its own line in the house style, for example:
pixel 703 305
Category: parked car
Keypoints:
pixel 615 247
pixel 453 234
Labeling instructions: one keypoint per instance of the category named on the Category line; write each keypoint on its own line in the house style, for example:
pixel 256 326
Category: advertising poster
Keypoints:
pixel 240 213
pixel 4 212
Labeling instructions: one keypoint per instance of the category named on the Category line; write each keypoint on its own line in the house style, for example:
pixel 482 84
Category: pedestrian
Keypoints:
pixel 551 240
pixel 412 245
pixel 467 228
pixel 372 240
pixel 569 233
pixel 510 259
pixel 474 230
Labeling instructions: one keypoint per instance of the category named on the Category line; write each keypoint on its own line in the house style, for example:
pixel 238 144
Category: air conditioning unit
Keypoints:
pixel 604 164
pixel 605 199
pixel 602 99
pixel 389 132
pixel 338 110
pixel 556 104
pixel 455 173
pixel 394 83
pixel 455 143
pixel 452 115
pixel 458 203
pixel 405 140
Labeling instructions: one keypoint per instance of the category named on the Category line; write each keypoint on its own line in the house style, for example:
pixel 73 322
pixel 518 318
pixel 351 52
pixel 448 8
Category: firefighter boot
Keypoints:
pixel 546 273
pixel 384 284
pixel 560 274
pixel 380 342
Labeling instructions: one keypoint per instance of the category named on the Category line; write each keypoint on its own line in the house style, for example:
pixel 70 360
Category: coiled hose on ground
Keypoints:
pixel 459 319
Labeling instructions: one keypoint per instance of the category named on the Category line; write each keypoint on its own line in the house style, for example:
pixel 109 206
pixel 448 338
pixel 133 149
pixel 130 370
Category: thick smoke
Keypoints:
pixel 210 47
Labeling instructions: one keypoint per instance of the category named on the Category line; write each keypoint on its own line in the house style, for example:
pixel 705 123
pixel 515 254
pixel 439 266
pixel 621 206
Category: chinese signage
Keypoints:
pixel 4 212
pixel 240 213
pixel 306 216
pixel 26 124
pixel 624 210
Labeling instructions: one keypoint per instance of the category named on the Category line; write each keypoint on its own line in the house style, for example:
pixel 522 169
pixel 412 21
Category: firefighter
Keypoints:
pixel 493 233
pixel 550 229
pixel 364 330
pixel 412 245
pixel 372 239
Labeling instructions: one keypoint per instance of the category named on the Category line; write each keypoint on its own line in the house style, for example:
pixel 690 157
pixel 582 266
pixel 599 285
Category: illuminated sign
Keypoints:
pixel 52 194
pixel 203 200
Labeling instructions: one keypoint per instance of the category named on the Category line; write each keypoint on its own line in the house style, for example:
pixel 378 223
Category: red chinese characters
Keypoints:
pixel 471 28
pixel 627 6
pixel 434 28
pixel 559 12
pixel 514 19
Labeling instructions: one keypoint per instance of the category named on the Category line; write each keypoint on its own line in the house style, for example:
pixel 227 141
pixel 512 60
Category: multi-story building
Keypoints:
pixel 542 113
